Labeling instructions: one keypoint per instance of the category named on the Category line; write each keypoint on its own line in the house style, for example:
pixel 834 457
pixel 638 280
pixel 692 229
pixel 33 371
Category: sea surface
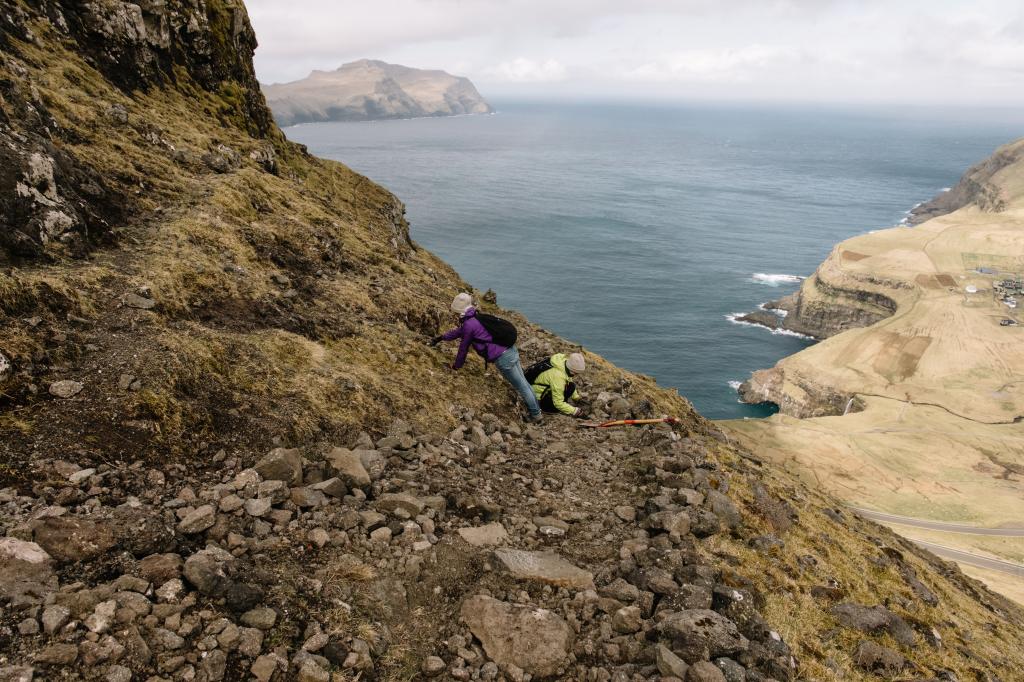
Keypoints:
pixel 639 230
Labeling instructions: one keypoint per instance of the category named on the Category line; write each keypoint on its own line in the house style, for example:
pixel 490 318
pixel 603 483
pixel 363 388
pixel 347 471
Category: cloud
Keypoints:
pixel 952 51
pixel 728 64
pixel 523 70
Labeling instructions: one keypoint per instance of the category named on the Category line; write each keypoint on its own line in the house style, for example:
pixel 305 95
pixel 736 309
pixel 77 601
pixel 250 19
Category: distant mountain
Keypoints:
pixel 369 90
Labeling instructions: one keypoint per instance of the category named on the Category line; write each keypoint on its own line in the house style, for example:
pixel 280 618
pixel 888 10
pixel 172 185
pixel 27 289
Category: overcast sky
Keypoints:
pixel 916 51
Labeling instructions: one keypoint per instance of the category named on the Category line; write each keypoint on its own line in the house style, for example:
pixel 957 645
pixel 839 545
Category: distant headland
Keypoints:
pixel 369 90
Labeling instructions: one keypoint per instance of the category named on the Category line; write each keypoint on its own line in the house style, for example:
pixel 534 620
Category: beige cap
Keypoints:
pixel 461 302
pixel 576 363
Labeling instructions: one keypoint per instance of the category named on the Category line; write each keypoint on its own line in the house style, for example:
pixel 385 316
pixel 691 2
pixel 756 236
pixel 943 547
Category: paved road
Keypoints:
pixel 972 559
pixel 882 517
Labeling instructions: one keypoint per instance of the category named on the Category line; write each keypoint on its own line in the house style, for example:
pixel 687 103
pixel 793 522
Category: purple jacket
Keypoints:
pixel 472 333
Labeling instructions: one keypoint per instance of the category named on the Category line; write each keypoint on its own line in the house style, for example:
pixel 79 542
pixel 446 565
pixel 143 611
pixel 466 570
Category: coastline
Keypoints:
pixel 909 401
pixel 388 119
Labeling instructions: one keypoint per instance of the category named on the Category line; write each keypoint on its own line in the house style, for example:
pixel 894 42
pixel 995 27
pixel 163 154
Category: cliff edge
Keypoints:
pixel 912 400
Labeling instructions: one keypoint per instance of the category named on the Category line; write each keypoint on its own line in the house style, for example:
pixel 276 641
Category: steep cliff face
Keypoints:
pixel 979 186
pixel 831 301
pixel 229 453
pixel 55 201
pixel 369 90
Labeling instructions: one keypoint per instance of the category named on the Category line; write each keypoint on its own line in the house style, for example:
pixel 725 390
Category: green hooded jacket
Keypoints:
pixel 555 380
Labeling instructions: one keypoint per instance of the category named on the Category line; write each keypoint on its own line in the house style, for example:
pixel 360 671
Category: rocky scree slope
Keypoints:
pixel 228 453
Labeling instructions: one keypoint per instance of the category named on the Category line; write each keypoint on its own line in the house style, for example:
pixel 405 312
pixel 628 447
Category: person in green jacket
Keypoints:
pixel 554 388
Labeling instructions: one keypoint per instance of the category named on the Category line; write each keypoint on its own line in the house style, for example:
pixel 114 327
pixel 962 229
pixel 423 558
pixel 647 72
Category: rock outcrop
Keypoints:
pixel 52 197
pixel 369 90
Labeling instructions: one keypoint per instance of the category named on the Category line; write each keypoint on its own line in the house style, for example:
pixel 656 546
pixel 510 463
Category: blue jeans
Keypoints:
pixel 510 367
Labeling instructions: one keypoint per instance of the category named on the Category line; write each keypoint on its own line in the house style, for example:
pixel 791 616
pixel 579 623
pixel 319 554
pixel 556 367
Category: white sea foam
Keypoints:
pixel 779 312
pixel 735 319
pixel 735 385
pixel 774 280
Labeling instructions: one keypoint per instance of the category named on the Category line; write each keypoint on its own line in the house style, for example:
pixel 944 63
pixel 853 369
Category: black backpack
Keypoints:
pixel 536 369
pixel 502 331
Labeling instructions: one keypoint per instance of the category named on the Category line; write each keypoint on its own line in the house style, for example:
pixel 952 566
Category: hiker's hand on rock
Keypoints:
pixel 434 341
pixel 578 413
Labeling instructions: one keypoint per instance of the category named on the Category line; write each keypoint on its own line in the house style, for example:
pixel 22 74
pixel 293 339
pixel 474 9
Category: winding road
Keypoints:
pixel 948 552
pixel 882 517
pixel 971 559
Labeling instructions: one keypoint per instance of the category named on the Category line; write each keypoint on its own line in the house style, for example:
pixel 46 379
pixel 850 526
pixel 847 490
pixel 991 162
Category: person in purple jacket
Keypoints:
pixel 473 334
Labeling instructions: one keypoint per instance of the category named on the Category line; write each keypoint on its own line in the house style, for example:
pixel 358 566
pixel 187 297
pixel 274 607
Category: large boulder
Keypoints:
pixel 874 619
pixel 391 502
pixel 699 634
pixel 281 464
pixel 206 571
pixel 878 659
pixel 545 567
pixel 67 538
pixel 24 568
pixel 348 467
pixel 535 640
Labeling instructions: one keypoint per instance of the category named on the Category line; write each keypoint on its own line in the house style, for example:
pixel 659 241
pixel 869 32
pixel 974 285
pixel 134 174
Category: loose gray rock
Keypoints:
pixel 133 300
pixel 159 568
pixel 704 671
pixel 54 618
pixel 699 634
pixel 258 506
pixel 205 571
pixel 198 520
pixel 17 673
pixel 482 536
pixel 873 619
pixel 670 522
pixel 545 567
pixel 725 509
pixel 348 467
pixel 535 640
pixel 878 659
pixel 24 567
pixel 307 498
pixel 668 663
pixel 66 388
pixel 214 665
pixel 391 502
pixel 433 666
pixel 262 618
pixel 311 672
pixel 74 539
pixel 5 368
pixel 627 620
pixel 58 654
pixel 281 465
pixel 733 671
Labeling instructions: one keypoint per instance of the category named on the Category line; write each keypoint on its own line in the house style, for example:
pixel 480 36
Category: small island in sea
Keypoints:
pixel 369 90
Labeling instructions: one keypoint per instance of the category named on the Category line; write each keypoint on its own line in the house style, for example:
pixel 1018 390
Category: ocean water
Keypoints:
pixel 638 230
